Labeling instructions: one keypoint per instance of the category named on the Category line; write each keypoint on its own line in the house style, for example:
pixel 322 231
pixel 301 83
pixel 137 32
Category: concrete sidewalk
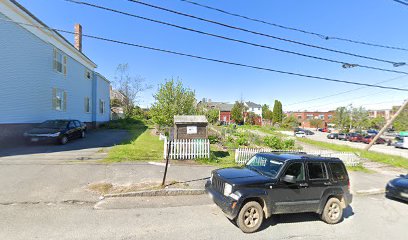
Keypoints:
pixel 57 182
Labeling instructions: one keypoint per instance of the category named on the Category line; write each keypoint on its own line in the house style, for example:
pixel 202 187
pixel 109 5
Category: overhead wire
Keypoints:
pixel 344 64
pixel 322 36
pixel 394 63
pixel 218 60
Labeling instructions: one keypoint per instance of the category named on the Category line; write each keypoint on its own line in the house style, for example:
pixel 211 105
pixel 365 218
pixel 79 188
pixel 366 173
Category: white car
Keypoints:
pixel 300 134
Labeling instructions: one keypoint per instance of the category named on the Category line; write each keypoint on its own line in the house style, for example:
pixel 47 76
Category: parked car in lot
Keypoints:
pixel 279 183
pixel 401 142
pixel 369 138
pixel 301 134
pixel 372 132
pixel 342 136
pixel 308 132
pixel 332 136
pixel 58 131
pixel 398 188
pixel 355 137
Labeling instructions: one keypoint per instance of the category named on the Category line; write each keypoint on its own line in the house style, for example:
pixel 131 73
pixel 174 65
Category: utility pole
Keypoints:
pixel 387 125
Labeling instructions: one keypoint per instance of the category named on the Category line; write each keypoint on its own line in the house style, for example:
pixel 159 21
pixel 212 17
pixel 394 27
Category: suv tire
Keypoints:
pixel 63 140
pixel 332 212
pixel 250 217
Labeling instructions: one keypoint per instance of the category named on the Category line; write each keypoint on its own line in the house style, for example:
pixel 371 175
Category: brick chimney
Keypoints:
pixel 78 37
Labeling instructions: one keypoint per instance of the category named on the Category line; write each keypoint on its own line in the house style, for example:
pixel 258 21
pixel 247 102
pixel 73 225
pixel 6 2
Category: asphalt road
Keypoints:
pixel 371 217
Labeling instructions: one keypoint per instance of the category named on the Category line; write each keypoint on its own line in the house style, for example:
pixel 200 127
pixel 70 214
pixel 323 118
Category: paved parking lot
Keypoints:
pixel 382 148
pixel 88 148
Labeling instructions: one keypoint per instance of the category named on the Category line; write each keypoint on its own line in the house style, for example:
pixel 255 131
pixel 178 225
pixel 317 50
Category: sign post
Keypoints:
pixel 167 162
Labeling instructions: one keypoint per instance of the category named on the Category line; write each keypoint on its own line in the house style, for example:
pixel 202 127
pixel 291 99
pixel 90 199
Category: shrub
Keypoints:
pixel 213 139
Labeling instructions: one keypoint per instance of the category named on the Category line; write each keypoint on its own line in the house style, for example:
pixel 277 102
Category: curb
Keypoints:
pixel 374 191
pixel 157 193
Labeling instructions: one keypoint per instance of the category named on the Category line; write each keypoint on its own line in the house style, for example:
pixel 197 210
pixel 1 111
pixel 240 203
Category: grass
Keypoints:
pixel 388 159
pixel 359 168
pixel 143 146
pixel 219 157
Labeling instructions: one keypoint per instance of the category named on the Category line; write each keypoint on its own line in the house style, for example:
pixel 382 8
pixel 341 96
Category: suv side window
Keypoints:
pixel 338 171
pixel 297 170
pixel 317 170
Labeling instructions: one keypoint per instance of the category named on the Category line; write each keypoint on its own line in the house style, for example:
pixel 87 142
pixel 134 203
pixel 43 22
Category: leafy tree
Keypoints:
pixel 172 99
pixel 377 122
pixel 130 86
pixel 237 112
pixel 316 122
pixel 341 118
pixel 266 112
pixel 251 118
pixel 290 122
pixel 277 116
pixel 401 122
pixel 360 118
pixel 212 115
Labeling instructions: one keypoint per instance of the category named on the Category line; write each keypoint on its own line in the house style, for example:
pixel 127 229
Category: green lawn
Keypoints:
pixel 392 160
pixel 143 146
pixel 219 157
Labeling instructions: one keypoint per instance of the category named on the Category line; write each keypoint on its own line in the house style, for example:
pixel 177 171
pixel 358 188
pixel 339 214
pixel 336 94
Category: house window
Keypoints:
pixel 87 105
pixel 59 99
pixel 299 116
pixel 309 116
pixel 60 62
pixel 101 106
pixel 88 74
pixel 330 116
pixel 321 117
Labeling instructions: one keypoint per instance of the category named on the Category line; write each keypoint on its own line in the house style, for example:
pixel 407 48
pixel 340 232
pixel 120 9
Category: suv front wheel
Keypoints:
pixel 333 211
pixel 250 217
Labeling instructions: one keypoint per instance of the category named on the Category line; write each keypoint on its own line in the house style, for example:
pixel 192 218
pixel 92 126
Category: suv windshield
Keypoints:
pixel 265 165
pixel 53 124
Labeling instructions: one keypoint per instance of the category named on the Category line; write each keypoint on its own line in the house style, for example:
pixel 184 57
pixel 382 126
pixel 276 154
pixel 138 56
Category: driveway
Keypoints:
pixel 93 147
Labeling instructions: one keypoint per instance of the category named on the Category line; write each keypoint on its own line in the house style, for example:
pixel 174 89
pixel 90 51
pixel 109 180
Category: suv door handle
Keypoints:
pixel 328 183
pixel 303 185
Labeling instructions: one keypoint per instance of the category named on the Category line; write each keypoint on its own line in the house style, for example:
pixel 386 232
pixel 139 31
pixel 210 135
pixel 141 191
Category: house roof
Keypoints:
pixel 190 119
pixel 55 34
pixel 225 107
pixel 253 105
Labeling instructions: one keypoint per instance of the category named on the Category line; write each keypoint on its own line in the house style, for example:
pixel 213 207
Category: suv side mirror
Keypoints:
pixel 289 179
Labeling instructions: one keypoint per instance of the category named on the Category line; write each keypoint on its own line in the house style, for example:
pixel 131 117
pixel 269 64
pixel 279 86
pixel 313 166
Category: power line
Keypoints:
pixel 341 93
pixel 217 60
pixel 261 34
pixel 322 36
pixel 402 2
pixel 344 64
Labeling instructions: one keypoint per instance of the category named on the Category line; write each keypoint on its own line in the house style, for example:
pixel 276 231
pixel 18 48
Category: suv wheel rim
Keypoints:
pixel 334 211
pixel 251 217
pixel 64 140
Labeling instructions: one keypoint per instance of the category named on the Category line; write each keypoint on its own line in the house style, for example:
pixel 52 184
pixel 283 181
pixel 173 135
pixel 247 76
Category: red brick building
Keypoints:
pixel 305 117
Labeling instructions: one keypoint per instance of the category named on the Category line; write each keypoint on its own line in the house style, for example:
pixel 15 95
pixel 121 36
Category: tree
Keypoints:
pixel 172 99
pixel 130 86
pixel 266 112
pixel 212 115
pixel 360 118
pixel 251 118
pixel 341 118
pixel 237 112
pixel 401 122
pixel 316 122
pixel 277 116
pixel 377 122
pixel 290 122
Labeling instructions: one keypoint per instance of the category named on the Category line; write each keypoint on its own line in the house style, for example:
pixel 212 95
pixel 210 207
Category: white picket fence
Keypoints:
pixel 183 149
pixel 242 155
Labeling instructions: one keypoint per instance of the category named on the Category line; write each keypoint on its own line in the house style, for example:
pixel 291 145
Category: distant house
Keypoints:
pixel 256 109
pixel 225 113
pixel 190 127
pixel 305 117
pixel 117 112
pixel 44 76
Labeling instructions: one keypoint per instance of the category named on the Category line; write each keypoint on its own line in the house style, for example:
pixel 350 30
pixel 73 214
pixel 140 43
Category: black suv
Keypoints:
pixel 278 183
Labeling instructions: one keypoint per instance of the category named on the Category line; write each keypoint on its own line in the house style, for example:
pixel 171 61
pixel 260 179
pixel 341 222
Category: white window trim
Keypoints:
pixel 64 63
pixel 102 107
pixel 63 106
pixel 89 105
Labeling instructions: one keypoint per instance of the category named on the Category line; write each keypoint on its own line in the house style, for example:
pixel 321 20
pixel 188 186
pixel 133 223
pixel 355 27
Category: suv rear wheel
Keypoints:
pixel 332 212
pixel 250 217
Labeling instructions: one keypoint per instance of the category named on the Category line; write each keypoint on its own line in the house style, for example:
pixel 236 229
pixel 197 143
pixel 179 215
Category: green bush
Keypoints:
pixel 213 139
pixel 242 141
pixel 275 142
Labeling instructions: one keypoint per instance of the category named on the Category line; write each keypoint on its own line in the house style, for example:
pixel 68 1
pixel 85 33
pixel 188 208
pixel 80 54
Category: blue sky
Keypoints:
pixel 379 21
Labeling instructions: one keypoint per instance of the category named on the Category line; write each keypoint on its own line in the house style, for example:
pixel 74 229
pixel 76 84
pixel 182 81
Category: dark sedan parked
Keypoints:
pixel 59 131
pixel 332 136
pixel 398 188
pixel 342 136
